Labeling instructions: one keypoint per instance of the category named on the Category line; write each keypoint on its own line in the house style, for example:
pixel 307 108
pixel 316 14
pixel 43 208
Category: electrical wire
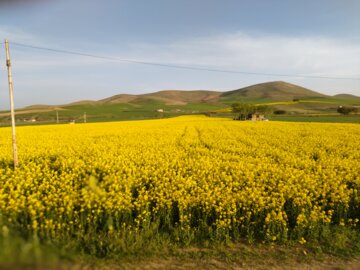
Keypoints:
pixel 177 66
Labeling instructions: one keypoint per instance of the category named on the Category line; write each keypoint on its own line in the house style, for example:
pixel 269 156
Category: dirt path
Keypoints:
pixel 212 264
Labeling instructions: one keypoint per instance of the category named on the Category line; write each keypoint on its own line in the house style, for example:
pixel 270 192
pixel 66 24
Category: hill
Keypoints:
pixel 82 102
pixel 345 96
pixel 122 98
pixel 279 91
pixel 169 97
pixel 168 103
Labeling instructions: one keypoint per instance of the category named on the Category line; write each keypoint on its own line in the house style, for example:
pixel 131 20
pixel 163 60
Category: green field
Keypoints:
pixel 317 118
pixel 108 112
pixel 296 101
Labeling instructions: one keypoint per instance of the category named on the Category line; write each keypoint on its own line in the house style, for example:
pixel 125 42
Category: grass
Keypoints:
pixel 109 112
pixel 321 118
pixel 147 109
pixel 20 250
pixel 50 117
pixel 317 118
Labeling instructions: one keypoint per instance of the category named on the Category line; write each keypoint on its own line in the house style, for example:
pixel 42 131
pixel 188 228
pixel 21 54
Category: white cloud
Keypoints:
pixel 34 59
pixel 72 78
pixel 238 51
pixel 264 54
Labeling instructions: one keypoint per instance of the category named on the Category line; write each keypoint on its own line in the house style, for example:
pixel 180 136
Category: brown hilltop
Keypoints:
pixel 275 90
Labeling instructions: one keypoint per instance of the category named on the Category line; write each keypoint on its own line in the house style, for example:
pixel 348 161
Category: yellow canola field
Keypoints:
pixel 267 178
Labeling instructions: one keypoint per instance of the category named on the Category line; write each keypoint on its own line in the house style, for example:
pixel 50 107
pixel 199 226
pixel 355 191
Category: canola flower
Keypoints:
pixel 275 179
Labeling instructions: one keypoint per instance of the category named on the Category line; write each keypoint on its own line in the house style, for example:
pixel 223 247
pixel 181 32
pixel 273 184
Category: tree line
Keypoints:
pixel 243 110
pixel 347 110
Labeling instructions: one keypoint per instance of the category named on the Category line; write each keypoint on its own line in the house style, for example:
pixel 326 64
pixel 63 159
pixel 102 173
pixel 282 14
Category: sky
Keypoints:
pixel 311 38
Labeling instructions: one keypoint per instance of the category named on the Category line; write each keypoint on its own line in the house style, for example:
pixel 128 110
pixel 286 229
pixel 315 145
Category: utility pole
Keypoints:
pixel 84 117
pixel 57 117
pixel 8 64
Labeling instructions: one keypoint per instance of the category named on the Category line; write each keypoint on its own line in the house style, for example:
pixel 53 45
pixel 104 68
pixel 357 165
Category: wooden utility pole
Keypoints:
pixel 57 117
pixel 84 117
pixel 8 64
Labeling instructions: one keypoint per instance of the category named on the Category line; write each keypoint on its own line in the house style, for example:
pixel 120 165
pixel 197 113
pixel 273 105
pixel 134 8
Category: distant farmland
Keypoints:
pixel 293 99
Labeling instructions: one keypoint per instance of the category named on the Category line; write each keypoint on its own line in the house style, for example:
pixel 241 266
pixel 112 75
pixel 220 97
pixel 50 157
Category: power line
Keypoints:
pixel 177 66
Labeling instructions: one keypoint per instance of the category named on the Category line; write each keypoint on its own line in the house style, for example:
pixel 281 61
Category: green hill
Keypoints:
pixel 271 91
pixel 169 97
pixel 168 103
pixel 346 96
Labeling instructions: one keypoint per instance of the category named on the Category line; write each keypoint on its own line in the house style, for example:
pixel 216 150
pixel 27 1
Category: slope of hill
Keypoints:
pixel 122 98
pixel 279 91
pixel 82 102
pixel 345 96
pixel 169 103
pixel 39 106
pixel 169 97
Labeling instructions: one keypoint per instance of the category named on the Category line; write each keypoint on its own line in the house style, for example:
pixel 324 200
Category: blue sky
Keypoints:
pixel 317 38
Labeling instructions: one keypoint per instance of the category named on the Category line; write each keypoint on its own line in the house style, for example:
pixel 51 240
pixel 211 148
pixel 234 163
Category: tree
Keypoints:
pixel 264 109
pixel 345 110
pixel 279 112
pixel 242 110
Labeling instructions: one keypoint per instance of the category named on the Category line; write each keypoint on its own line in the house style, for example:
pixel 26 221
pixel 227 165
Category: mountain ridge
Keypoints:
pixel 261 93
pixel 276 89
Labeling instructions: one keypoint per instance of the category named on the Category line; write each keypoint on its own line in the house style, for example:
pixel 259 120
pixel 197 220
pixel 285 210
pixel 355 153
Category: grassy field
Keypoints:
pixel 320 118
pixel 199 188
pixel 279 95
pixel 106 112
pixel 124 112
pixel 317 118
